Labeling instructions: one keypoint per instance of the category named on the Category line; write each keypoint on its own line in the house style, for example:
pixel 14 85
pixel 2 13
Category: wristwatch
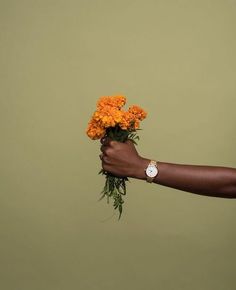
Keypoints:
pixel 151 171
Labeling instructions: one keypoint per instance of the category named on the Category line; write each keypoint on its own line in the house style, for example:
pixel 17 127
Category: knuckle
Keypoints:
pixel 104 149
pixel 109 152
pixel 114 143
pixel 102 140
pixel 106 159
pixel 105 166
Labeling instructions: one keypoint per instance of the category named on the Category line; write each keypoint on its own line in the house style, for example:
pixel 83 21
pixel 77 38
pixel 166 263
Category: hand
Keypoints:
pixel 122 159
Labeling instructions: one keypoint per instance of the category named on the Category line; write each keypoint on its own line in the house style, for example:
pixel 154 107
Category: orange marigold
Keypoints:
pixel 95 130
pixel 127 120
pixel 108 116
pixel 112 101
pixel 138 112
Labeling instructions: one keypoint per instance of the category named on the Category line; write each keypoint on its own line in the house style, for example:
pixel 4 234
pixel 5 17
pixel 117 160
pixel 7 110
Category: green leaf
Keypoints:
pixel 120 211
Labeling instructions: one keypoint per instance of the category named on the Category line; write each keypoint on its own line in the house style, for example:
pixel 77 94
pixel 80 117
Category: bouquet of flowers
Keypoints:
pixel 112 121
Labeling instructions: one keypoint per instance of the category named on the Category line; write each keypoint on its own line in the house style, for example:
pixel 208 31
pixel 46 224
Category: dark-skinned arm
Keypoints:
pixel 122 159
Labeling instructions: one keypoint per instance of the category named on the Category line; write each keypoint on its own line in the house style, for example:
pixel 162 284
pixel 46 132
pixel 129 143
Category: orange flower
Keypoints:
pixel 131 119
pixel 138 112
pixel 109 114
pixel 111 101
pixel 95 130
pixel 127 120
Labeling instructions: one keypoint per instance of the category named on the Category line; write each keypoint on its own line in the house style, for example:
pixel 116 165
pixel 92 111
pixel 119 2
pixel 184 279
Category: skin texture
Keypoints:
pixel 123 160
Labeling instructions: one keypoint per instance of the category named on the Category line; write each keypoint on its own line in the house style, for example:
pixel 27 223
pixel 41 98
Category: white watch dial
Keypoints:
pixel 151 171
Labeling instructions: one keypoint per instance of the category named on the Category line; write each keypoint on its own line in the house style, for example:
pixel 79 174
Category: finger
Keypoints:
pixel 104 159
pixel 103 149
pixel 102 140
pixel 105 140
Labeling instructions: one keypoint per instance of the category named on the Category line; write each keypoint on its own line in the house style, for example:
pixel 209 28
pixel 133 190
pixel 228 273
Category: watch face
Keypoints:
pixel 151 171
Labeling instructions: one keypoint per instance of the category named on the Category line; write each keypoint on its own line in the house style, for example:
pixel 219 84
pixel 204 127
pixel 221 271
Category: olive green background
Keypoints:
pixel 177 60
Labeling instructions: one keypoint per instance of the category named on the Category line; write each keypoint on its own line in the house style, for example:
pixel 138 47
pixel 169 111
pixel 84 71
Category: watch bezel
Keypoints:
pixel 148 171
pixel 152 164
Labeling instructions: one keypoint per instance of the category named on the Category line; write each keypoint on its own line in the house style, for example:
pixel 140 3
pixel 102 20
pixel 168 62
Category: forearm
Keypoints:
pixel 122 159
pixel 204 180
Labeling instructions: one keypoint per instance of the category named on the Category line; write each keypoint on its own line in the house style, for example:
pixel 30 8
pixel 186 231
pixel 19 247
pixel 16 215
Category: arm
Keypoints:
pixel 122 159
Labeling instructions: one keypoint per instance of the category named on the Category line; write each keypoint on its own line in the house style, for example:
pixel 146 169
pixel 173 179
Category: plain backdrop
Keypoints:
pixel 176 59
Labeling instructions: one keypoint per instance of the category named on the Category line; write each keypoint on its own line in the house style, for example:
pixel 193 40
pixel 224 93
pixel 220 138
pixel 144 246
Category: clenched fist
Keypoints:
pixel 122 159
